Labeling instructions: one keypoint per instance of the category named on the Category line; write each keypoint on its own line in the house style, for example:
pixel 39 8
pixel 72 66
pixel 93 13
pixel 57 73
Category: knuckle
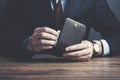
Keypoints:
pixel 45 28
pixel 53 43
pixel 41 34
pixel 41 41
pixel 36 29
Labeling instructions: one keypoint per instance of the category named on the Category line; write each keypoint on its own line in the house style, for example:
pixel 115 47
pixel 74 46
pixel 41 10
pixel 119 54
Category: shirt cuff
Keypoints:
pixel 106 48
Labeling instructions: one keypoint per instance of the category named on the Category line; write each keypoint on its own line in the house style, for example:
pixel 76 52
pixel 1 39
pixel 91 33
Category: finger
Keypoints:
pixel 36 41
pixel 38 36
pixel 77 53
pixel 47 30
pixel 39 48
pixel 77 47
pixel 47 36
pixel 46 42
pixel 82 58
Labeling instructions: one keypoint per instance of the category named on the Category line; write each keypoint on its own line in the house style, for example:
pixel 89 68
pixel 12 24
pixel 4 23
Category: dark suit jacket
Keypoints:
pixel 3 4
pixel 23 16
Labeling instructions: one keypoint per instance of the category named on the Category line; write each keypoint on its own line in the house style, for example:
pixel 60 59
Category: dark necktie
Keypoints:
pixel 59 14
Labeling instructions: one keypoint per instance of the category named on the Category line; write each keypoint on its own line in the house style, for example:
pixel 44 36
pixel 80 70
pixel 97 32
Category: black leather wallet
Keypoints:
pixel 72 33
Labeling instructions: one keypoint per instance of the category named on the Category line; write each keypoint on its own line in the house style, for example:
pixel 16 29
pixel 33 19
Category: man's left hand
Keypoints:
pixel 80 52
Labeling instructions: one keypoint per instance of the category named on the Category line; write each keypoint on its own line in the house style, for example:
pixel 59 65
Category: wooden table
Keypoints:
pixel 46 67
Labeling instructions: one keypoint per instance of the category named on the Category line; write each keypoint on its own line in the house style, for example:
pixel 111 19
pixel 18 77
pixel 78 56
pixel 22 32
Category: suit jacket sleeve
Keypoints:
pixel 108 25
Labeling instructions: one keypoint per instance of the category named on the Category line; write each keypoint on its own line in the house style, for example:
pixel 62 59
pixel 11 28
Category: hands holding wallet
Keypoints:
pixel 70 43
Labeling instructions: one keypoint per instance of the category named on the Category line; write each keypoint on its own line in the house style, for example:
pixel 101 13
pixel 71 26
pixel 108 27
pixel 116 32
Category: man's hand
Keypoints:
pixel 43 38
pixel 81 52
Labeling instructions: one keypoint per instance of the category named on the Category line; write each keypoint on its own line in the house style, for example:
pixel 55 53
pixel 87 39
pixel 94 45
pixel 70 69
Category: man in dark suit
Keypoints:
pixel 32 24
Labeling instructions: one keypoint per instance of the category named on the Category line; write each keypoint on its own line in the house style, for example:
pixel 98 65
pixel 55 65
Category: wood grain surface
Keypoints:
pixel 47 67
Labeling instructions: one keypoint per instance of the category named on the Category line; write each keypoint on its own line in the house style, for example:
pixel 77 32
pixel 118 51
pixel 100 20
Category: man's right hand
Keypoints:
pixel 43 38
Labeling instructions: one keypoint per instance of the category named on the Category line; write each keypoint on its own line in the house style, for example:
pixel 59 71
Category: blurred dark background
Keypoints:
pixel 114 5
pixel 3 4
